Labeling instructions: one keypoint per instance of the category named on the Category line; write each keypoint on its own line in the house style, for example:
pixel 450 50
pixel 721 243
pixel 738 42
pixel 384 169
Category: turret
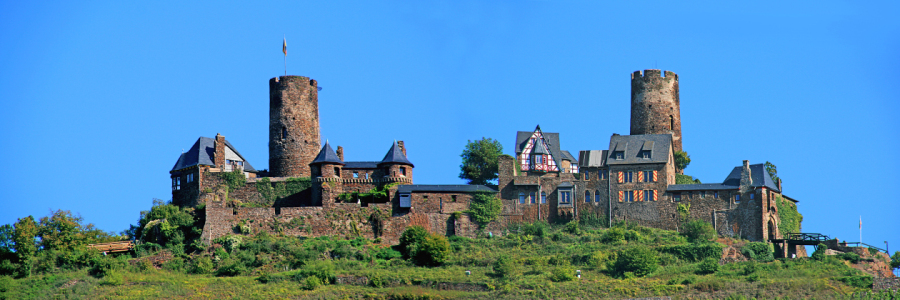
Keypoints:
pixel 395 165
pixel 293 125
pixel 326 176
pixel 655 106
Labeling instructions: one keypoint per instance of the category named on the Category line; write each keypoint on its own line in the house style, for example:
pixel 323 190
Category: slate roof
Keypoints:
pixel 592 158
pixel 395 156
pixel 568 156
pixel 360 165
pixel 449 188
pixel 701 187
pixel 327 155
pixel 552 139
pixel 758 177
pixel 203 153
pixel 632 145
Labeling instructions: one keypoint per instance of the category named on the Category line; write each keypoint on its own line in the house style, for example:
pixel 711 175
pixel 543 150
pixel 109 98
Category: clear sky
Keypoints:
pixel 99 99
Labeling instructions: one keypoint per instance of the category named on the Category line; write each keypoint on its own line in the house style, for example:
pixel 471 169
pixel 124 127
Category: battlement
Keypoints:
pixel 292 78
pixel 653 73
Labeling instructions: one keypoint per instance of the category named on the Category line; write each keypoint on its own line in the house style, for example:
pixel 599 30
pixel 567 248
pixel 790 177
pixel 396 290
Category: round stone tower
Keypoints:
pixel 655 107
pixel 293 125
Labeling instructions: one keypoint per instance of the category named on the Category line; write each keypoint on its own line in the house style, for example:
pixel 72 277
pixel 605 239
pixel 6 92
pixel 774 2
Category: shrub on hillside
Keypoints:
pixel 694 252
pixel 572 227
pixel 708 266
pixel 433 251
pixel 410 239
pixel 820 252
pixel 538 228
pixel 505 267
pixel 851 257
pixel 697 231
pixel 614 235
pixel 104 265
pixel 758 251
pixel 562 274
pixel 640 261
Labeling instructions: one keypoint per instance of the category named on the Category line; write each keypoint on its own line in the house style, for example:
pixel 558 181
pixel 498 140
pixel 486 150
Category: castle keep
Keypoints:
pixel 310 190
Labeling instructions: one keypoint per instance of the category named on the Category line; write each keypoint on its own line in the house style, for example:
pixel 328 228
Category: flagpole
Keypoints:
pixel 284 49
pixel 860 229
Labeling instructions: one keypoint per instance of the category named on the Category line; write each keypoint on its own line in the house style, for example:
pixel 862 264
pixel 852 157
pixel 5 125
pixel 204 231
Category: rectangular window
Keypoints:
pixel 716 195
pixel 177 183
pixel 629 196
pixel 587 175
pixel 337 171
pixel 702 194
pixel 648 195
pixel 629 176
pixel 645 154
pixel 648 176
pixel 355 174
pixel 532 197
pixel 565 197
pixel 737 199
pixel 676 197
pixel 601 174
pixel 587 196
pixel 597 196
pixel 521 198
pixel 751 196
pixel 620 155
pixel 453 198
pixel 543 197
pixel 402 171
pixel 538 159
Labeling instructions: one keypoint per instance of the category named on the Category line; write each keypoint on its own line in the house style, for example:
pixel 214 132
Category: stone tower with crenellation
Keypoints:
pixel 655 107
pixel 293 125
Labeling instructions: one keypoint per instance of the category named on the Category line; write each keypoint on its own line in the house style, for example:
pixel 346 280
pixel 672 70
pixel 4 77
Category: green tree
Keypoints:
pixel 682 160
pixel 480 161
pixel 485 207
pixel 26 230
pixel 895 260
pixel 505 267
pixel 772 170
pixel 410 240
pixel 60 231
pixel 697 231
pixel 6 239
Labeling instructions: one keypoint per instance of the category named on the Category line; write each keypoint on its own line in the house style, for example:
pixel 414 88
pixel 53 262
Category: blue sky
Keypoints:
pixel 99 99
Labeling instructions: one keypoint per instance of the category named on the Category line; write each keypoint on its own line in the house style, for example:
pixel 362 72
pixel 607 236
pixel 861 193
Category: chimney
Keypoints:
pixel 779 186
pixel 219 154
pixel 746 180
pixel 402 147
pixel 340 153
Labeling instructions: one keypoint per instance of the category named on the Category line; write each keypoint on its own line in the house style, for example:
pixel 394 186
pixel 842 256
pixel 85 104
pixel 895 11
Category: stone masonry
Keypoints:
pixel 293 125
pixel 655 105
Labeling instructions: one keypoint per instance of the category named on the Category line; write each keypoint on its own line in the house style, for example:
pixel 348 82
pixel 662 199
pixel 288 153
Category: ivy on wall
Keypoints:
pixel 788 217
pixel 234 179
pixel 374 195
pixel 271 193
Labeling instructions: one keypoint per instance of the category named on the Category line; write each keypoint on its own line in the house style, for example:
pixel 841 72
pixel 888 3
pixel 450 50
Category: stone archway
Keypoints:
pixel 771 230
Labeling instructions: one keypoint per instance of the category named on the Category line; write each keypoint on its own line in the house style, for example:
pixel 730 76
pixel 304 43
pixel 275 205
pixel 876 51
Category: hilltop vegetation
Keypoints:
pixel 536 260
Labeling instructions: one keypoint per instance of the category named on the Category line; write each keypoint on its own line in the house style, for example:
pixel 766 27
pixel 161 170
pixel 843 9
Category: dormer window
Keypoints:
pixel 620 155
pixel 645 154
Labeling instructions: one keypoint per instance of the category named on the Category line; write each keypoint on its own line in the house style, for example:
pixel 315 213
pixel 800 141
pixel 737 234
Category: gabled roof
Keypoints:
pixel 539 148
pixel 327 156
pixel 203 153
pixel 449 188
pixel 568 156
pixel 395 156
pixel 592 158
pixel 632 145
pixel 551 138
pixel 758 177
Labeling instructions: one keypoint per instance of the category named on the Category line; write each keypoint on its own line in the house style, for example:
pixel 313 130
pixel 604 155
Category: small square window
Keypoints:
pixel 737 199
pixel 402 171
pixel 453 198
pixel 620 155
pixel 645 154
pixel 676 197
pixel 752 196
pixel 355 174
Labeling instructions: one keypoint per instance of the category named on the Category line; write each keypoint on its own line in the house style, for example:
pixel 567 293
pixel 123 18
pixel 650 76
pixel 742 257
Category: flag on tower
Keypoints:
pixel 284 46
pixel 860 223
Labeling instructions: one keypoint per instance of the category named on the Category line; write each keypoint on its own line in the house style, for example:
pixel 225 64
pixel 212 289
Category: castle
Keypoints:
pixel 310 190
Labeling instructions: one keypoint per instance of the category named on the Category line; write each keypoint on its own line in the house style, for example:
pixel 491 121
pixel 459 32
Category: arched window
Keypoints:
pixel 587 196
pixel 532 197
pixel 522 198
pixel 671 122
pixel 543 197
pixel 597 196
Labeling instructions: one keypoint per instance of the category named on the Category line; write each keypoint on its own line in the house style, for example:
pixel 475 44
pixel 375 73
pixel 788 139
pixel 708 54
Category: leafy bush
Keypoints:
pixel 562 274
pixel 312 282
pixel 202 265
pixel 410 239
pixel 694 252
pixel 388 253
pixel 708 266
pixel 851 257
pixel 572 227
pixel 819 254
pixel 639 260
pixel 685 179
pixel 230 267
pixel 484 207
pixel 614 235
pixel 433 251
pixel 859 281
pixel 538 228
pixel 104 265
pixel 758 251
pixel 895 260
pixel 698 231
pixel 505 267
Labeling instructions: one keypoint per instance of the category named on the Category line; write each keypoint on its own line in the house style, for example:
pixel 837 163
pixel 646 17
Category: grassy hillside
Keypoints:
pixel 532 261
